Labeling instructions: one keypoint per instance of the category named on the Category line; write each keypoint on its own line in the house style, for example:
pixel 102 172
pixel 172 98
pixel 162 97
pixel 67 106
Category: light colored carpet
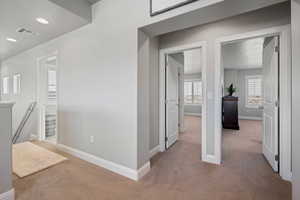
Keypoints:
pixel 29 158
pixel 177 174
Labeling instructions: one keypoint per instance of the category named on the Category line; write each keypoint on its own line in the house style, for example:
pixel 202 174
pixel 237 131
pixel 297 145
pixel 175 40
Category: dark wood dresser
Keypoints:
pixel 230 116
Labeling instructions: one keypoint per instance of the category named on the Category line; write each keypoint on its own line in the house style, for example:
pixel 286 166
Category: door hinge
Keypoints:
pixel 277 158
pixel 277 49
pixel 277 103
pixel 166 139
pixel 178 124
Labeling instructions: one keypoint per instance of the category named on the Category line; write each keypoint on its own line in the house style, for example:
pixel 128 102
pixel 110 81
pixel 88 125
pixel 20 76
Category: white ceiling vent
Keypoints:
pixel 26 31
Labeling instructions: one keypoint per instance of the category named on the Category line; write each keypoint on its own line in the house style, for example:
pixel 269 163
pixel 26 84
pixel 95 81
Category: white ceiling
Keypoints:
pixel 245 54
pixel 15 14
pixel 192 61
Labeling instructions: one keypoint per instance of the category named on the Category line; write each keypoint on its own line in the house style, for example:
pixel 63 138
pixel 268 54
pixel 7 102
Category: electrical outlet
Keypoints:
pixel 91 139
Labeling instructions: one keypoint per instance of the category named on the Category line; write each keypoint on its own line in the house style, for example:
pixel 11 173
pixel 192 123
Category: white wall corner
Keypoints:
pixel 154 151
pixel 9 195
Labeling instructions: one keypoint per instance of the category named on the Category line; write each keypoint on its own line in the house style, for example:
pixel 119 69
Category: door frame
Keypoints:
pixel 40 108
pixel 284 33
pixel 162 79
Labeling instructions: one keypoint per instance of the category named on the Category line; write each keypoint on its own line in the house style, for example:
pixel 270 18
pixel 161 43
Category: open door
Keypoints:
pixel 270 105
pixel 47 101
pixel 172 103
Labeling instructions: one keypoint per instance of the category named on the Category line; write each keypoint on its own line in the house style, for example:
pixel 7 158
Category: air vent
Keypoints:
pixel 26 31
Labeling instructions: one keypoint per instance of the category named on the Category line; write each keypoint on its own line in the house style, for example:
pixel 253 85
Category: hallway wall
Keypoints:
pixel 296 98
pixel 98 78
pixel 273 16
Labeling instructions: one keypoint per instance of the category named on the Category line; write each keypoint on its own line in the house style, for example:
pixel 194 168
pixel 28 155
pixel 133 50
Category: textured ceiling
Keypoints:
pixel 245 54
pixel 15 14
pixel 192 61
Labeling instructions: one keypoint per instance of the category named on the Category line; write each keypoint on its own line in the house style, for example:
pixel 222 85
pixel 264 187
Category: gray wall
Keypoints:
pixel 98 84
pixel 98 73
pixel 272 16
pixel 296 98
pixel 5 148
pixel 27 94
pixel 154 95
pixel 238 78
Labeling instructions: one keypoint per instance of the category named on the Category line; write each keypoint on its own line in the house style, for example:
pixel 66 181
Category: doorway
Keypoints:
pixel 254 109
pixel 182 93
pixel 47 98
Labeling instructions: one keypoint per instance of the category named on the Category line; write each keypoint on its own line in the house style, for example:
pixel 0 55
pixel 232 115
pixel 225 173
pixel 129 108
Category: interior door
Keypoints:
pixel 270 105
pixel 47 98
pixel 172 104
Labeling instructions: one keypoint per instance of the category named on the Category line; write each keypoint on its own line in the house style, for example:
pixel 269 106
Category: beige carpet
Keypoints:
pixel 177 174
pixel 29 158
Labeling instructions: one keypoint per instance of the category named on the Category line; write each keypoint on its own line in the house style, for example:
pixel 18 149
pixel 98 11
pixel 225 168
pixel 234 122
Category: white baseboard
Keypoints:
pixel 143 170
pixel 114 167
pixel 288 177
pixel 9 195
pixel 154 151
pixel 250 118
pixel 211 159
pixel 182 129
pixel 34 137
pixel 193 114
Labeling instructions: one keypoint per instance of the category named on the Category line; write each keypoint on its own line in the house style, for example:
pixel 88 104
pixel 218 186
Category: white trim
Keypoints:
pixel 193 114
pixel 163 52
pixel 9 195
pixel 40 106
pixel 210 159
pixel 250 118
pixel 114 167
pixel 285 89
pixel 34 137
pixel 7 78
pixel 143 171
pixel 192 104
pixel 154 151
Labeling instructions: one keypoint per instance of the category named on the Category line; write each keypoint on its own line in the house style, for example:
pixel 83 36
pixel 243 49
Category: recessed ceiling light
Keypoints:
pixel 42 20
pixel 11 39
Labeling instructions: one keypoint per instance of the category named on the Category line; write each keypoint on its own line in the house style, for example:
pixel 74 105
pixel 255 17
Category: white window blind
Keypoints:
pixel 51 85
pixel 17 83
pixel 192 92
pixel 5 85
pixel 188 92
pixel 254 91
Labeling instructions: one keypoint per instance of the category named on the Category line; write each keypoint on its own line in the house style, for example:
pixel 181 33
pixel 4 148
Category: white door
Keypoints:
pixel 270 105
pixel 172 104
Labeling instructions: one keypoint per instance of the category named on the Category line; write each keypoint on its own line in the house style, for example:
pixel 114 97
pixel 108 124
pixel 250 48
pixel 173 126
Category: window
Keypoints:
pixel 5 85
pixel 253 91
pixel 51 85
pixel 193 92
pixel 17 83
